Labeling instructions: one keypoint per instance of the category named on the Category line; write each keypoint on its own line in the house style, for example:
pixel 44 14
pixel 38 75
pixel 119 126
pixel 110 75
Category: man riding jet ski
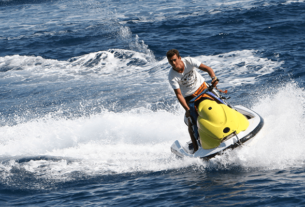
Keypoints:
pixel 213 125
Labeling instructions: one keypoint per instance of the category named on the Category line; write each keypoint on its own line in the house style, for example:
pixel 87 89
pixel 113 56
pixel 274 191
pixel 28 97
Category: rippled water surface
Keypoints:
pixel 87 115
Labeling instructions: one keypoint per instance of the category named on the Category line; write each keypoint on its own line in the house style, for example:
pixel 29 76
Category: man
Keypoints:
pixel 187 82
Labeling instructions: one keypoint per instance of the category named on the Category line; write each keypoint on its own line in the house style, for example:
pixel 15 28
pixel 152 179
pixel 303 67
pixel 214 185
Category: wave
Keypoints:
pixel 107 143
pixel 102 62
pixel 55 149
pixel 247 65
pixel 117 80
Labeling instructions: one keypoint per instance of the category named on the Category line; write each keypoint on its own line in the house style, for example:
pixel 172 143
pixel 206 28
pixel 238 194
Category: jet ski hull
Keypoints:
pixel 256 123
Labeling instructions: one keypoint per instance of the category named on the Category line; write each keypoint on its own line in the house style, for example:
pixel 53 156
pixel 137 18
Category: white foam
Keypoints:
pixel 93 65
pixel 233 68
pixel 101 144
pixel 238 67
pixel 280 143
pixel 294 1
pixel 130 141
pixel 140 140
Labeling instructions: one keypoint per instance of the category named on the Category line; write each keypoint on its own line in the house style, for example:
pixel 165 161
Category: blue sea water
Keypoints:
pixel 87 116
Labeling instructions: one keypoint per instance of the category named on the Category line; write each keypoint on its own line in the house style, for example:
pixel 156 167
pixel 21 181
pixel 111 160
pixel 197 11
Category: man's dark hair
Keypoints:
pixel 172 52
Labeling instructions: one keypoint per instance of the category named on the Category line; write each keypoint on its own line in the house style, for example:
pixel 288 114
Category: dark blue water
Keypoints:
pixel 87 116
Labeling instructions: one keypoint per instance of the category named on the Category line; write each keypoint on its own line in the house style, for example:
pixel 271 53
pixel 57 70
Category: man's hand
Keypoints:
pixel 214 81
pixel 188 113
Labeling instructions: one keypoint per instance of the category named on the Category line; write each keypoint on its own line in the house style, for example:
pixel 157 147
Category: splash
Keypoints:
pixel 280 143
pixel 125 34
pixel 139 45
pixel 102 144
pixel 135 44
pixel 139 141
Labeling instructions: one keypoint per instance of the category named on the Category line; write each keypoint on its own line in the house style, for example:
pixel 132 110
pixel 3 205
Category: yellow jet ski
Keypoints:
pixel 218 126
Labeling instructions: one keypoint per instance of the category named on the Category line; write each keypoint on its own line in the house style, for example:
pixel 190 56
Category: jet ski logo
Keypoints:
pixel 189 79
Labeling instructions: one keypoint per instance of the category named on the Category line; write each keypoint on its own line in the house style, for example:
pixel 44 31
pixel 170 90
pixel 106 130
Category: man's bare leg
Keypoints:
pixel 192 136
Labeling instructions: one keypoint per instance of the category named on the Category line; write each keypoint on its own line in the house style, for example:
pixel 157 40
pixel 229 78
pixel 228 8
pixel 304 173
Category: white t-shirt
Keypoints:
pixel 188 81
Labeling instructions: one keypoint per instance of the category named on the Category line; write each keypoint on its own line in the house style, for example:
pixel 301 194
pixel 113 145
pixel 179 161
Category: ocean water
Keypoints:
pixel 87 115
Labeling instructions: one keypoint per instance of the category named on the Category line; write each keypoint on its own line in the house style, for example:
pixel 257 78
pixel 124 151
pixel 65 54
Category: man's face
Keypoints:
pixel 176 63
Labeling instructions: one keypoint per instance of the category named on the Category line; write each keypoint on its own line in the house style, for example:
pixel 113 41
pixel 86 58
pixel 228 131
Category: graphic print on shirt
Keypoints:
pixel 189 79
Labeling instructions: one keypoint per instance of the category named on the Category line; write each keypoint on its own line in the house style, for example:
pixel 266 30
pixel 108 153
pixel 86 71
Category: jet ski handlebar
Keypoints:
pixel 213 84
pixel 211 87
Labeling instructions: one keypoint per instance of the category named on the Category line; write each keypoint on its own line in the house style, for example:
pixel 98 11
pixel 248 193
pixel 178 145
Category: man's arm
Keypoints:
pixel 182 100
pixel 207 69
pixel 210 71
pixel 187 114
